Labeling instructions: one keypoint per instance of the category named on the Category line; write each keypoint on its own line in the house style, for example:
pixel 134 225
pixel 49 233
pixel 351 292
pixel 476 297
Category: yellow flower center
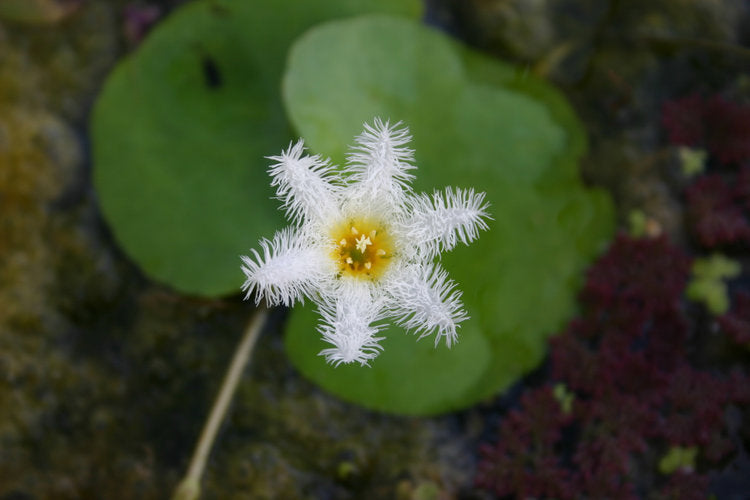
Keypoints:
pixel 363 248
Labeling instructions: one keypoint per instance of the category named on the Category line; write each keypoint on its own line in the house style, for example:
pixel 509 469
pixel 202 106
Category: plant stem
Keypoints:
pixel 189 488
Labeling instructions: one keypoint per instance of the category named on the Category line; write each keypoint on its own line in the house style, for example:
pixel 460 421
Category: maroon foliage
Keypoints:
pixel 524 461
pixel 574 362
pixel 636 394
pixel 727 132
pixel 720 126
pixel 715 212
pixel 692 407
pixel 736 323
pixel 683 120
pixel 684 486
pixel 642 275
pixel 603 468
pixel 742 186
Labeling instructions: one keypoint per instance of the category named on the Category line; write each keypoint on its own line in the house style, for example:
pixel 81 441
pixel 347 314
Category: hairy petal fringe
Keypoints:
pixel 425 300
pixel 436 224
pixel 347 323
pixel 306 185
pixel 379 164
pixel 287 269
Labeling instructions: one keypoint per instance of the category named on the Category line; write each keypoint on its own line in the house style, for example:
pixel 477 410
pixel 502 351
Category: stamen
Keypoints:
pixel 362 243
pixel 361 248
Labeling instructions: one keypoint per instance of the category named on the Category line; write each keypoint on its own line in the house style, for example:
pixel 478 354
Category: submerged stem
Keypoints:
pixel 189 488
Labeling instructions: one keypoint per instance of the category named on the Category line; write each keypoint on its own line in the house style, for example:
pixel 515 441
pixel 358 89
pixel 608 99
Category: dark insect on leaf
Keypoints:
pixel 211 73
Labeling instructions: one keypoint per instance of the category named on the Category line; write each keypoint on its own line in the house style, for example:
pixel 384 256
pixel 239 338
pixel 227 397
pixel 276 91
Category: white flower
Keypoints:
pixel 362 245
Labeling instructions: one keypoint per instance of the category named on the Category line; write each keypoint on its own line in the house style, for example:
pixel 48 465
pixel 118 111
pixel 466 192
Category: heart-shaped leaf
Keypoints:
pixel 181 129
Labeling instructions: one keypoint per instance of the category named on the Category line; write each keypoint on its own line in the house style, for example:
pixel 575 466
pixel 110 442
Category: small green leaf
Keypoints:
pixel 678 458
pixel 637 221
pixel 692 161
pixel 564 397
pixel 707 284
pixel 476 123
pixel 181 129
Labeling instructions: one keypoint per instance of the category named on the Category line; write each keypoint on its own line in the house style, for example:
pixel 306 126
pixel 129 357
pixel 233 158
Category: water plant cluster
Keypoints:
pixel 647 395
pixel 627 386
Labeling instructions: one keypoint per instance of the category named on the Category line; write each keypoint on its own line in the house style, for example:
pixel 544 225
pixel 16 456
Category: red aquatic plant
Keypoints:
pixel 635 393
pixel 736 323
pixel 643 275
pixel 684 485
pixel 524 461
pixel 716 213
pixel 691 407
pixel 683 120
pixel 714 123
pixel 742 186
pixel 727 132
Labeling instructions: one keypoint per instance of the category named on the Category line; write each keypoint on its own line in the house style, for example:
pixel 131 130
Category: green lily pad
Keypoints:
pixel 181 129
pixel 475 123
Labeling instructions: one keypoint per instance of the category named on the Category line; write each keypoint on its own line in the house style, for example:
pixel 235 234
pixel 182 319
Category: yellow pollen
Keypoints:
pixel 362 243
pixel 364 249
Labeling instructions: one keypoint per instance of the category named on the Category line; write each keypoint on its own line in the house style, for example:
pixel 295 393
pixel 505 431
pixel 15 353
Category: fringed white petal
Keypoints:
pixel 306 185
pixel 379 164
pixel 311 260
pixel 348 324
pixel 425 300
pixel 287 269
pixel 435 224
